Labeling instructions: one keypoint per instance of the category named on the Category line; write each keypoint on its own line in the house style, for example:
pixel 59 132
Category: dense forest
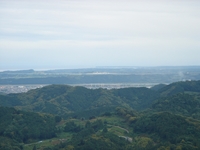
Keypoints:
pixel 76 118
pixel 64 100
pixel 24 127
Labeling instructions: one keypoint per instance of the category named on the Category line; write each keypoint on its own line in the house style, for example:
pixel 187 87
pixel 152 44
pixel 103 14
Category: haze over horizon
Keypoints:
pixel 85 34
pixel 103 67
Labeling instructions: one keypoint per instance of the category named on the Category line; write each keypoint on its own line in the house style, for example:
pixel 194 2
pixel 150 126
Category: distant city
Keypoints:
pixel 18 88
pixel 7 89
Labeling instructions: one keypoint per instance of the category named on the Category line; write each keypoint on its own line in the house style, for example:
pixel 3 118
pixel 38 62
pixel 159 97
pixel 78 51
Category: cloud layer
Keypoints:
pixel 73 33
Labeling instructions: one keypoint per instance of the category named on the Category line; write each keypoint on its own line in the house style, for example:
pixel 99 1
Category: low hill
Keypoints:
pixel 182 103
pixel 66 100
pixel 158 87
pixel 63 99
pixel 163 127
pixel 9 101
pixel 121 119
pixel 137 98
pixel 178 87
pixel 22 127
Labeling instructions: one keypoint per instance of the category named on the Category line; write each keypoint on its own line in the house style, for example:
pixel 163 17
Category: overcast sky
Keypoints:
pixel 50 34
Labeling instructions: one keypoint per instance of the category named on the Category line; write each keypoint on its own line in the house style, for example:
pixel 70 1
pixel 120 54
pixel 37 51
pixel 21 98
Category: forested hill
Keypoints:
pixel 22 127
pixel 180 98
pixel 163 117
pixel 182 103
pixel 64 99
pixel 178 87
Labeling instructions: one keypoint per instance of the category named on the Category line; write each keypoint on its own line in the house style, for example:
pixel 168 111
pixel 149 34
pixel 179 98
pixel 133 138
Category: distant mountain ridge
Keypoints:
pixel 102 75
pixel 18 71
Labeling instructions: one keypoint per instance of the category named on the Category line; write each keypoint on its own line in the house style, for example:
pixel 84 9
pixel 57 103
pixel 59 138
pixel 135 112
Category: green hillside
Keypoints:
pixel 158 87
pixel 64 100
pixel 168 130
pixel 22 127
pixel 182 103
pixel 76 118
pixel 178 87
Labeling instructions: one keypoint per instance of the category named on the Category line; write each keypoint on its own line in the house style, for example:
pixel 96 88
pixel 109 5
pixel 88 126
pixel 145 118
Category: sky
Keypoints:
pixel 63 34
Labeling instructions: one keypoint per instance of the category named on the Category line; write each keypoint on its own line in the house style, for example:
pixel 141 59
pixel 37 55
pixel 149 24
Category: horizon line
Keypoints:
pixel 98 67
